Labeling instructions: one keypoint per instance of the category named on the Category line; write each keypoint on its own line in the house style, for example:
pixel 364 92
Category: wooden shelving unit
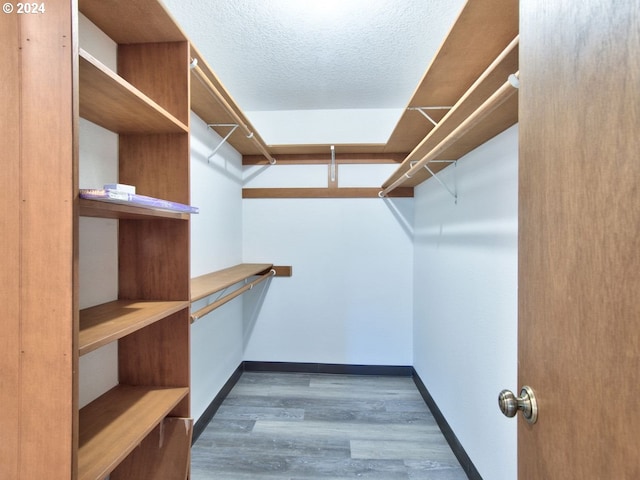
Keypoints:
pixel 484 43
pixel 146 102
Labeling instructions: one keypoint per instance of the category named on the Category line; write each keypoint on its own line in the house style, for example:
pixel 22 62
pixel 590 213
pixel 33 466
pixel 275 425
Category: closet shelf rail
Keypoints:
pixel 220 280
pixel 202 77
pixel 227 298
pixel 499 97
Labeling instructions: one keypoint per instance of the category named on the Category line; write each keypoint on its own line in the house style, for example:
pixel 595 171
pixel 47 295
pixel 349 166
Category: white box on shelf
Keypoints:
pixel 121 187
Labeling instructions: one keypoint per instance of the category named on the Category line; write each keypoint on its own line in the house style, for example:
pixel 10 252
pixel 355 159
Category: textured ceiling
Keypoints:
pixel 317 54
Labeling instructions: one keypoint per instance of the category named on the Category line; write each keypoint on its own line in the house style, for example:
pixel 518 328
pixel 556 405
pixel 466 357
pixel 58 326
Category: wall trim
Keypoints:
pixel 395 370
pixel 211 410
pixel 457 448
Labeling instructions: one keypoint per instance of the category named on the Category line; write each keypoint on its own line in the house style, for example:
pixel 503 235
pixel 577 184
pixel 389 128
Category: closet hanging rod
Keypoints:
pixel 490 104
pixel 221 301
pixel 229 109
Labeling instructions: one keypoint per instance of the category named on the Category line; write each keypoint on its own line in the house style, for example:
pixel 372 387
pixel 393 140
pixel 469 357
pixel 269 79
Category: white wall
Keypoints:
pixel 283 127
pixel 465 318
pixel 98 237
pixel 216 243
pixel 350 298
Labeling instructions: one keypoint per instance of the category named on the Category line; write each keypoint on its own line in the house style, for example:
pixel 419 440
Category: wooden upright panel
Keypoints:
pixel 10 243
pixel 579 238
pixel 41 313
pixel 157 165
pixel 157 355
pixel 161 71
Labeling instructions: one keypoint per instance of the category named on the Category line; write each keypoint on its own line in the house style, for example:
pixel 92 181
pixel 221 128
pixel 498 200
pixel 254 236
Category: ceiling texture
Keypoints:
pixel 276 55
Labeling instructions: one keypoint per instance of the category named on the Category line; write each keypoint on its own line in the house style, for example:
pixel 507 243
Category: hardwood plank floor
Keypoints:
pixel 307 426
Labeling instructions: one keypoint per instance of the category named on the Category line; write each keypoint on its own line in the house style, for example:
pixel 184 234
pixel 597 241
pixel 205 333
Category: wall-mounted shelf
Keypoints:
pixel 481 31
pixel 206 285
pixel 329 192
pixel 111 102
pixel 323 157
pixel 211 101
pixel 115 423
pixel 501 117
pixel 326 158
pixel 319 149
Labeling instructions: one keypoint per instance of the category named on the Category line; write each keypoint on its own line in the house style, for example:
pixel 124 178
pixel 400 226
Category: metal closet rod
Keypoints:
pixel 221 301
pixel 494 101
pixel 222 101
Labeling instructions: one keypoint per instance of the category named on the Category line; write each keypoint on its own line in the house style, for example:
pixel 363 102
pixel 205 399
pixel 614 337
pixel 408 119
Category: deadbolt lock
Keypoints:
pixel 526 402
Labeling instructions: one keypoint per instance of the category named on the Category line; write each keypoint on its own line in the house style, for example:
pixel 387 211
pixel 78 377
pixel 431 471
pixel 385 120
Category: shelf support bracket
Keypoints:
pixel 453 192
pixel 423 111
pixel 233 128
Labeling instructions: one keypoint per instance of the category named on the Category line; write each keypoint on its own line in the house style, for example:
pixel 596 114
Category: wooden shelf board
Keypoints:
pixel 96 208
pixel 111 102
pixel 325 159
pixel 142 21
pixel 108 322
pixel 505 116
pixel 345 192
pixel 211 111
pixel 210 283
pixel 481 31
pixel 502 118
pixel 325 149
pixel 115 423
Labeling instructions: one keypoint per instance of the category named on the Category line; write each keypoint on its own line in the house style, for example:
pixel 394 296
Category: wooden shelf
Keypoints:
pixel 211 101
pixel 323 149
pixel 111 102
pixel 344 192
pixel 500 119
pixel 105 323
pixel 142 21
pixel 210 283
pixel 115 423
pixel 96 208
pixel 481 31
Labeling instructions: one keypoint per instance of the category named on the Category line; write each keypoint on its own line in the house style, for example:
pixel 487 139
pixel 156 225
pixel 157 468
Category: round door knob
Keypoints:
pixel 510 404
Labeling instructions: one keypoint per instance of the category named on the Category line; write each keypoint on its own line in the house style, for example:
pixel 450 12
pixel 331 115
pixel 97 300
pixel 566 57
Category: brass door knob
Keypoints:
pixel 510 404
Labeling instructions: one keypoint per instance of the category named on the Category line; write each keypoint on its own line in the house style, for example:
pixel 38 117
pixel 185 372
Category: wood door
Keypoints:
pixel 579 251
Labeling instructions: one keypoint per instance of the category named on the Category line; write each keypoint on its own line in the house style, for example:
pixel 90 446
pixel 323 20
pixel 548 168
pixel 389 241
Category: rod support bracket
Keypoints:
pixel 453 192
pixel 233 127
pixel 423 111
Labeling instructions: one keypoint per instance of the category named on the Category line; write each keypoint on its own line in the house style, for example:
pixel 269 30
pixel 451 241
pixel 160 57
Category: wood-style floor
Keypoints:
pixel 301 426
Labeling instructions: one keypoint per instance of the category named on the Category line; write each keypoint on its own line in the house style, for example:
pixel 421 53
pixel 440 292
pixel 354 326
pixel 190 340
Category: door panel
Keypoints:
pixel 579 238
